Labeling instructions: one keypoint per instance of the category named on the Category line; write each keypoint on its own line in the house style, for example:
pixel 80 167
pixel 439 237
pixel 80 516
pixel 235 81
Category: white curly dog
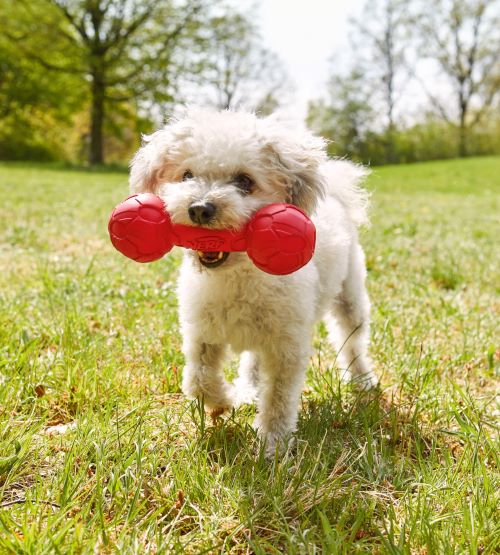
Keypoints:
pixel 215 169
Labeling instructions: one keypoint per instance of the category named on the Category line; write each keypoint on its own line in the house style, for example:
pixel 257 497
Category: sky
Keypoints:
pixel 306 34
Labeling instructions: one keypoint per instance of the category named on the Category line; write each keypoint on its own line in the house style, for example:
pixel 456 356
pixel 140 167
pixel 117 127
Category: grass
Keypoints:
pixel 100 453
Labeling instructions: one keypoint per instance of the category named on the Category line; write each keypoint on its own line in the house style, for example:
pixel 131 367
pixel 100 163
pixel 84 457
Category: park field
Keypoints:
pixel 100 452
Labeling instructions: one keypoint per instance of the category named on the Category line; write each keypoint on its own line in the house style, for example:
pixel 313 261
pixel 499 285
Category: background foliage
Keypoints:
pixel 446 51
pixel 81 79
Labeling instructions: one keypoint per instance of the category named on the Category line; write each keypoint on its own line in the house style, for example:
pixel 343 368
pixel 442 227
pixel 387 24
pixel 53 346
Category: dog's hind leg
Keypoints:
pixel 349 323
pixel 246 384
pixel 203 377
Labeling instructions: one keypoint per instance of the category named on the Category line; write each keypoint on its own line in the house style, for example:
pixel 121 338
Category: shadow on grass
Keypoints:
pixel 353 458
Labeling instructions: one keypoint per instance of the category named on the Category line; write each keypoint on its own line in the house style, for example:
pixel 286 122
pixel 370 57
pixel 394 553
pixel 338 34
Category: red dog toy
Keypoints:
pixel 279 238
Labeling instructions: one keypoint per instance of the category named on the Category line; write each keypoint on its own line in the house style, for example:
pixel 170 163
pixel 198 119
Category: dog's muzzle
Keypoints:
pixel 203 213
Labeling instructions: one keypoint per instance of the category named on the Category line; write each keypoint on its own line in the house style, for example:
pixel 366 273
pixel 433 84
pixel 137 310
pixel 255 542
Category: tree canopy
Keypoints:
pixel 445 51
pixel 125 59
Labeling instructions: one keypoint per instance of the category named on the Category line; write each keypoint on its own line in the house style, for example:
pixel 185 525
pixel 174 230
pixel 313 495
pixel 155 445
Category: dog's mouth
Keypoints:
pixel 212 259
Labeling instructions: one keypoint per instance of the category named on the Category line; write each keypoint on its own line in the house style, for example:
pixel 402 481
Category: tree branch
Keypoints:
pixel 434 100
pixel 141 63
pixel 72 20
pixel 119 38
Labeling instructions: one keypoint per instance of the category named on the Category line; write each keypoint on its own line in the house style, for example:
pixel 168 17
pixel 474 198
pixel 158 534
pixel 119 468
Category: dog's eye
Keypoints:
pixel 188 174
pixel 244 182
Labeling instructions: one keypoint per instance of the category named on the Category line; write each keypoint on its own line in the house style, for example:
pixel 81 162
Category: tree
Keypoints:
pixel 462 37
pixel 380 41
pixel 363 101
pixel 346 117
pixel 35 106
pixel 238 69
pixel 122 49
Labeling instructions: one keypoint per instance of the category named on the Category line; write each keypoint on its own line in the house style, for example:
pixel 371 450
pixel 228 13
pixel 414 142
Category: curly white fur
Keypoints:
pixel 269 319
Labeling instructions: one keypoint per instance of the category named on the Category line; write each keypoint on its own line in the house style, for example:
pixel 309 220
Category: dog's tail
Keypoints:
pixel 343 180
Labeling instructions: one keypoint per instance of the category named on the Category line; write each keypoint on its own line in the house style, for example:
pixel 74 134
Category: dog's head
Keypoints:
pixel 215 169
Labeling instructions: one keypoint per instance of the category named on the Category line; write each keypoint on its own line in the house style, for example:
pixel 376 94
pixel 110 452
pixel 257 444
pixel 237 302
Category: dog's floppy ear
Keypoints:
pixel 157 161
pixel 148 167
pixel 293 162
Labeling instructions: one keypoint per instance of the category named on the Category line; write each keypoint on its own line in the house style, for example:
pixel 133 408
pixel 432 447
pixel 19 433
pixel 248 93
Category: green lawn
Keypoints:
pixel 100 453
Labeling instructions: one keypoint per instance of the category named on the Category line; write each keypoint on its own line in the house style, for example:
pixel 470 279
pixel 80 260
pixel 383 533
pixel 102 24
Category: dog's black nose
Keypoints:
pixel 201 213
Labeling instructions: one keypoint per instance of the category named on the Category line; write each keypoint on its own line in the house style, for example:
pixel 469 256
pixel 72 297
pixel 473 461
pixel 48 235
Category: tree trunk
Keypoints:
pixel 390 150
pixel 462 140
pixel 462 131
pixel 97 119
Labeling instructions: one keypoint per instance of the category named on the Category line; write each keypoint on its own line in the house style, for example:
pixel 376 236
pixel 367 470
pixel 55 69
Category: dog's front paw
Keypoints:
pixel 276 444
pixel 216 398
pixel 273 441
pixel 365 381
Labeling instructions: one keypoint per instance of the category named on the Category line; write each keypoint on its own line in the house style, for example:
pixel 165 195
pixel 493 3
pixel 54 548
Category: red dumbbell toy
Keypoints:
pixel 279 238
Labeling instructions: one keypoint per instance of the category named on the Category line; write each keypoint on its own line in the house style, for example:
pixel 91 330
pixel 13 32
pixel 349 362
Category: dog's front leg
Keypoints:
pixel 203 377
pixel 280 387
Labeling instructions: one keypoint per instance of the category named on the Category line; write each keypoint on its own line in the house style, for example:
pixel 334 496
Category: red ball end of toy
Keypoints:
pixel 281 239
pixel 139 228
